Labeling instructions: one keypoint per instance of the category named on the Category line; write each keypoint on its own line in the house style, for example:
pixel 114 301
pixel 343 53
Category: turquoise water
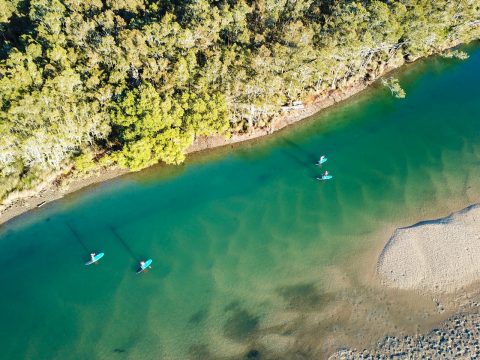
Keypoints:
pixel 253 258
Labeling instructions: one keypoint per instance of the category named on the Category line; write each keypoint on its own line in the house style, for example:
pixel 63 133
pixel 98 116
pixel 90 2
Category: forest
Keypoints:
pixel 86 84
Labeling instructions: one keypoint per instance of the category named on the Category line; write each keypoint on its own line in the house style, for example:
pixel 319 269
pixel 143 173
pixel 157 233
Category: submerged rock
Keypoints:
pixel 427 346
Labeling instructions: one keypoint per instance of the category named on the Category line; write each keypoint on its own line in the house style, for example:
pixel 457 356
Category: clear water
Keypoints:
pixel 253 258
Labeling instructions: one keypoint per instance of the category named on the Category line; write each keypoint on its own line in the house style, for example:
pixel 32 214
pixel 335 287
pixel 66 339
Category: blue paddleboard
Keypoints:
pixel 145 266
pixel 328 177
pixel 95 259
pixel 320 162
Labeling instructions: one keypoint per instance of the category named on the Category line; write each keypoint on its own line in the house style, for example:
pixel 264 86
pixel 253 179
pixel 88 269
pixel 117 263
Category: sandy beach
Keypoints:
pixel 434 256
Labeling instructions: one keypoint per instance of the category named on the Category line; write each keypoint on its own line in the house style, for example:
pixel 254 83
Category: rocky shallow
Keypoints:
pixel 457 338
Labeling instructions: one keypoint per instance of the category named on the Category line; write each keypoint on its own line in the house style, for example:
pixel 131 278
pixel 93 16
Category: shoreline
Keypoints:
pixel 52 190
pixel 49 191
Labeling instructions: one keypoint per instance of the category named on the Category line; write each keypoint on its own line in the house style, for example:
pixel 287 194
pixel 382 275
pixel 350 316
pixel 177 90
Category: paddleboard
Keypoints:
pixel 95 259
pixel 320 162
pixel 145 266
pixel 328 177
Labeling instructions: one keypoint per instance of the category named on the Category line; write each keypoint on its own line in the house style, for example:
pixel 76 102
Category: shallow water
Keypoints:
pixel 253 258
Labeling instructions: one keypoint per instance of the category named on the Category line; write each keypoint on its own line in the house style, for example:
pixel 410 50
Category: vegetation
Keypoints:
pixel 133 82
pixel 462 55
pixel 394 86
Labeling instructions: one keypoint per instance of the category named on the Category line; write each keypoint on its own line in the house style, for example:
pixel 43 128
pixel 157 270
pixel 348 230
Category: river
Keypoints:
pixel 252 257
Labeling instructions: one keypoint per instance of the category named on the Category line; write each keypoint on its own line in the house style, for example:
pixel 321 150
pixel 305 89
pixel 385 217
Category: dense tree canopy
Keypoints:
pixel 134 82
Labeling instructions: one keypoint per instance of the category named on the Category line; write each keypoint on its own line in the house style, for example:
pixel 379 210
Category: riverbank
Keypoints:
pixel 65 183
pixel 61 185
pixel 434 256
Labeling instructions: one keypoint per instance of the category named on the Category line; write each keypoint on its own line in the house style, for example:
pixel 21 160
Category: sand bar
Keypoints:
pixel 441 255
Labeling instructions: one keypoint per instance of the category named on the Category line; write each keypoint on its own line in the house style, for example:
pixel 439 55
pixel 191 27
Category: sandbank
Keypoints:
pixel 441 255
